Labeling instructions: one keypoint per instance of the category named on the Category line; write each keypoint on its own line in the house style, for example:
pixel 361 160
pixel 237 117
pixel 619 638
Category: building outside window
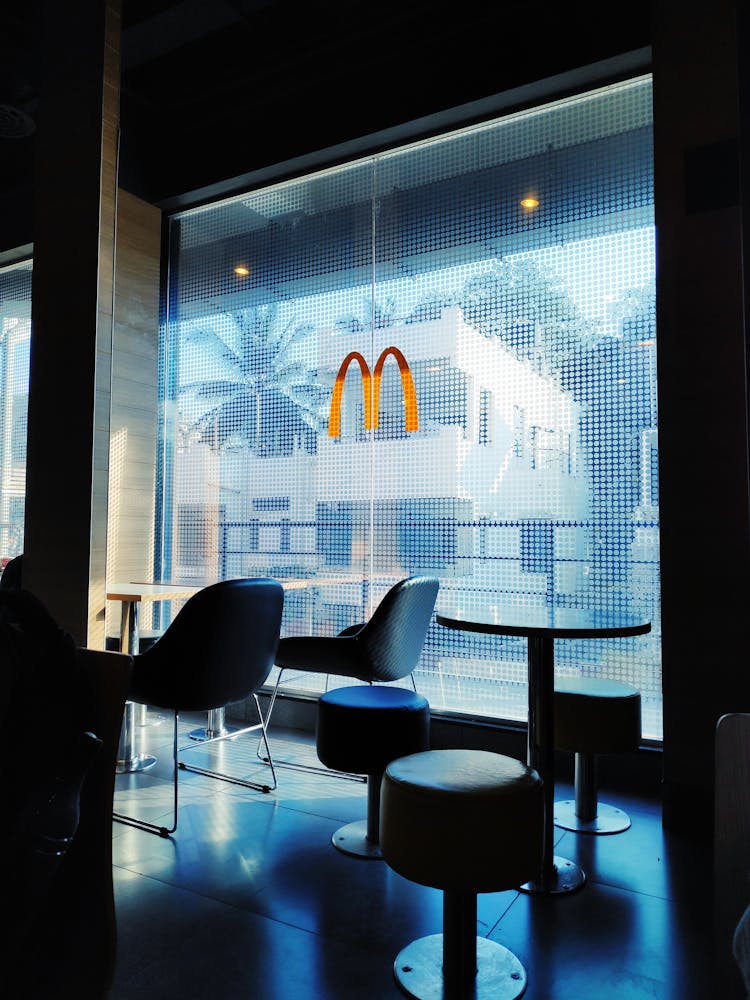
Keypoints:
pixel 530 336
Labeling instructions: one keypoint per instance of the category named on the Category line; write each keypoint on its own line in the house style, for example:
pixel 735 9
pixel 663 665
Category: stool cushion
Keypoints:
pixel 596 715
pixel 468 820
pixel 361 728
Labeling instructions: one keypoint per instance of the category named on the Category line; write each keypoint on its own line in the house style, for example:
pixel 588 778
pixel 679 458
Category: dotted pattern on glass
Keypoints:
pixel 530 335
pixel 15 343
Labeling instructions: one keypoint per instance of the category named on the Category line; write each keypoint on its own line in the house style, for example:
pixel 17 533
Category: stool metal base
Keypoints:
pixel 128 758
pixel 202 734
pixel 140 762
pixel 608 819
pixel 566 877
pixel 418 971
pixel 352 840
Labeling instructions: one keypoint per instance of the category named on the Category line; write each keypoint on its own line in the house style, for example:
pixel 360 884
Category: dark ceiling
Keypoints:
pixel 216 89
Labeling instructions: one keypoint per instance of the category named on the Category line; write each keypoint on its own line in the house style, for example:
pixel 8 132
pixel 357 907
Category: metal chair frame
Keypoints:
pixel 298 765
pixel 211 735
pixel 165 831
pixel 349 632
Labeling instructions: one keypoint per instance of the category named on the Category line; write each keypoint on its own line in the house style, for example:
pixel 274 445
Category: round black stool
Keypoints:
pixel 464 821
pixel 594 715
pixel 360 729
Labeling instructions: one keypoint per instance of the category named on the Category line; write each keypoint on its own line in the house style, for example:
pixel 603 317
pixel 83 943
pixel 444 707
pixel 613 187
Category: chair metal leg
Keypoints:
pixel 261 724
pixel 271 703
pixel 142 824
pixel 297 765
pixel 179 765
pixel 310 768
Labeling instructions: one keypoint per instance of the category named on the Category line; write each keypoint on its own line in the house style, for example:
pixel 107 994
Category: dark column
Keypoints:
pixel 75 215
pixel 703 440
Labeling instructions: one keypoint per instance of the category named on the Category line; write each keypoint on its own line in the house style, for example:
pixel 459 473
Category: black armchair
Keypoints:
pixel 384 649
pixel 218 650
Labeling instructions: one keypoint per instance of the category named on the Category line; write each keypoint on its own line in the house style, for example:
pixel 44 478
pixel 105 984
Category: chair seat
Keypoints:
pixel 339 655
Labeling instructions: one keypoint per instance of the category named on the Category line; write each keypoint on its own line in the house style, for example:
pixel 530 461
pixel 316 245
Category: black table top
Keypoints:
pixel 472 613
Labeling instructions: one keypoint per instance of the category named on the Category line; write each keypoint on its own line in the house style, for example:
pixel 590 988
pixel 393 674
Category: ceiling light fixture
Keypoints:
pixel 529 202
pixel 242 271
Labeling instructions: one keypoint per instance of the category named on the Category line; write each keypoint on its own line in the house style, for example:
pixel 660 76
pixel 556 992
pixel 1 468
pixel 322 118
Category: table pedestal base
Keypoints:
pixel 128 759
pixel 140 763
pixel 608 819
pixel 565 878
pixel 216 726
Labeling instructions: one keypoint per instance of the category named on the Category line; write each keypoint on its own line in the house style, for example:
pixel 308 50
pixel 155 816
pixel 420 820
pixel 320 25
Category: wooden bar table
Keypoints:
pixel 541 626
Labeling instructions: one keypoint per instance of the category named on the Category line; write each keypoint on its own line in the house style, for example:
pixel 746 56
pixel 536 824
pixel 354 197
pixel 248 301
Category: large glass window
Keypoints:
pixel 15 339
pixel 509 267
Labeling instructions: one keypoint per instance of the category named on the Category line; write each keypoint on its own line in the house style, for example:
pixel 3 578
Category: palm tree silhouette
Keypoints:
pixel 264 396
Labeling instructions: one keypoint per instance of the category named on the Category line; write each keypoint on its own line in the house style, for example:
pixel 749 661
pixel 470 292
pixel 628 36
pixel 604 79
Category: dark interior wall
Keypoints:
pixel 702 399
pixel 373 79
pixel 297 78
pixel 71 312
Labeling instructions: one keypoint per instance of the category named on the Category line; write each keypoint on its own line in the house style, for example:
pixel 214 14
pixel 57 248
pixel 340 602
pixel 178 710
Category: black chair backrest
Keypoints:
pixel 219 649
pixel 393 638
pixel 12 575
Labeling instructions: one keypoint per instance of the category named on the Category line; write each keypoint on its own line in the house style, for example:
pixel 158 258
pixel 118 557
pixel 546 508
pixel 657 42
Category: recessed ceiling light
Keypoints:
pixel 242 271
pixel 529 202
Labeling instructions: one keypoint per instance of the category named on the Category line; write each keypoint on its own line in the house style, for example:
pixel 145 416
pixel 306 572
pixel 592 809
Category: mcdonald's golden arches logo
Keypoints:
pixel 371 390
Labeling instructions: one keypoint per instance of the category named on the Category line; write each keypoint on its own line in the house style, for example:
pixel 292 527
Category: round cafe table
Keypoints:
pixel 541 626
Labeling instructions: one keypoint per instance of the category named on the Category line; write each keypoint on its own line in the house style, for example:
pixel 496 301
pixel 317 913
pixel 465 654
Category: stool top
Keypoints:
pixel 373 696
pixel 461 772
pixel 465 820
pixel 595 687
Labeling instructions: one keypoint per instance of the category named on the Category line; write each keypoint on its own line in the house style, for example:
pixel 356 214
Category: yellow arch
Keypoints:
pixel 334 417
pixel 407 387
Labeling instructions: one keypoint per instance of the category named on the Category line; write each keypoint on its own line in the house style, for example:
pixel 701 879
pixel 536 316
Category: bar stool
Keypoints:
pixel 464 821
pixel 360 729
pixel 594 715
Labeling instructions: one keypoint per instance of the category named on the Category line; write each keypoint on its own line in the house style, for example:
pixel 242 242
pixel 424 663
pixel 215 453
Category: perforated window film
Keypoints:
pixel 15 340
pixel 438 359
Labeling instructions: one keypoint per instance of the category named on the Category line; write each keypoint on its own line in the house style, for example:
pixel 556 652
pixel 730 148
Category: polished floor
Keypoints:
pixel 249 899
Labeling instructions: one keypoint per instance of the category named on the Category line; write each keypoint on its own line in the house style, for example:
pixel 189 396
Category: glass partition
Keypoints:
pixel 439 359
pixel 15 339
